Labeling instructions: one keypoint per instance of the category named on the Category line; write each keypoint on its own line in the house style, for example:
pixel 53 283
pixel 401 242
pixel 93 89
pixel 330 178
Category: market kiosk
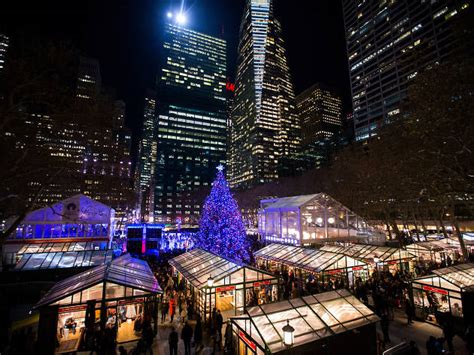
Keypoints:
pixel 323 265
pixel 224 284
pixel 447 292
pixel 113 299
pixel 436 250
pixel 332 322
pixel 376 257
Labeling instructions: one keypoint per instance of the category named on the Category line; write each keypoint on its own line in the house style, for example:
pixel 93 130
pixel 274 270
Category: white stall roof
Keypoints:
pixel 458 277
pixel 76 209
pixel 197 265
pixel 124 271
pixel 369 252
pixel 309 259
pixel 313 317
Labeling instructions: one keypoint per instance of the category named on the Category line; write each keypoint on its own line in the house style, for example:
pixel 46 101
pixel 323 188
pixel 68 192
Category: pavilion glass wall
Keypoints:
pixel 46 231
pixel 123 314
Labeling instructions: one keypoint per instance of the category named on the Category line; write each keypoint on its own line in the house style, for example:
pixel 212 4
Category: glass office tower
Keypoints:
pixel 265 125
pixel 191 130
pixel 388 44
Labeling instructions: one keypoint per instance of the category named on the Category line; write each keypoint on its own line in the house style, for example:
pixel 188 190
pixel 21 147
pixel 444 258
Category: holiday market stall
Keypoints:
pixel 377 257
pixel 436 251
pixel 325 266
pixel 116 297
pixel 448 291
pixel 333 322
pixel 222 283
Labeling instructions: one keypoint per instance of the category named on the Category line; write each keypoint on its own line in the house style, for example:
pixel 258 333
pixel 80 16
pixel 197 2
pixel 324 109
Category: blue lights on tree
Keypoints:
pixel 221 228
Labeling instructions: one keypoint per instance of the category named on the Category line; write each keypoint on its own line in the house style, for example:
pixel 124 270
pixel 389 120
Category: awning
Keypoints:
pixel 368 253
pixel 125 271
pixel 313 317
pixel 312 260
pixel 198 265
pixel 433 246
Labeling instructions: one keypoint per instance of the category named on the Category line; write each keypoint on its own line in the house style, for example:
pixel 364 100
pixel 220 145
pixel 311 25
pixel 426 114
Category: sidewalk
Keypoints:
pixel 419 333
pixel 161 346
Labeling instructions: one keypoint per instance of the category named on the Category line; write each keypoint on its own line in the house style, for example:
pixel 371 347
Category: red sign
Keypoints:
pixel 259 283
pixel 230 87
pixel 355 268
pixel 72 309
pixel 225 288
pixel 434 289
pixel 332 272
pixel 247 341
pixel 392 262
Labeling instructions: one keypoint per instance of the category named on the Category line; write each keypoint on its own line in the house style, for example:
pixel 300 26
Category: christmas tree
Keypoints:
pixel 221 229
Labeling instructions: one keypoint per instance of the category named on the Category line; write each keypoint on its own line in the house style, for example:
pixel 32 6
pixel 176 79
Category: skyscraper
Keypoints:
pixel 388 44
pixel 4 43
pixel 191 130
pixel 147 158
pixel 320 113
pixel 88 78
pixel 265 126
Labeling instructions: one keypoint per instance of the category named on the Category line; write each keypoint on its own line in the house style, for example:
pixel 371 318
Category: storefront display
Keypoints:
pixel 444 251
pixel 224 284
pixel 116 296
pixel 335 314
pixel 445 292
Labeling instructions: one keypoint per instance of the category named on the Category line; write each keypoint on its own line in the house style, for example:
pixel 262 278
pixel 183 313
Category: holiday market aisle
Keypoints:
pixel 224 284
pixel 326 266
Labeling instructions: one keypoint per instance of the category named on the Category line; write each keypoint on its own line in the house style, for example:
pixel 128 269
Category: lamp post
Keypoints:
pixel 288 337
pixel 376 261
pixel 210 283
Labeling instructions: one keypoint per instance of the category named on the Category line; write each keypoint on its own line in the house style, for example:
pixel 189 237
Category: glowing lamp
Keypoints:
pixel 330 220
pixel 169 14
pixel 288 336
pixel 180 18
pixel 319 220
pixel 376 259
pixel 210 281
pixel 309 219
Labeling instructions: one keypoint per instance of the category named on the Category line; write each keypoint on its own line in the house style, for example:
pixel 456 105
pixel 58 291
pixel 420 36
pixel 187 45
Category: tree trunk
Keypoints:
pixel 465 254
pixel 387 223
pixel 393 223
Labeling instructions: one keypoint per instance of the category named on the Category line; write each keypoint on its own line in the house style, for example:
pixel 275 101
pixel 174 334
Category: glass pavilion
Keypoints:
pixel 234 286
pixel 61 255
pixel 446 291
pixel 75 219
pixel 333 322
pixel 116 296
pixel 311 219
pixel 375 256
pixel 324 265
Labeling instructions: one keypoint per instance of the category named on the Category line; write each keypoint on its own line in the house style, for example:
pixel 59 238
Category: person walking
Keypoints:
pixel 384 324
pixel 164 309
pixel 409 310
pixel 172 309
pixel 198 334
pixel 173 342
pixel 219 323
pixel 186 335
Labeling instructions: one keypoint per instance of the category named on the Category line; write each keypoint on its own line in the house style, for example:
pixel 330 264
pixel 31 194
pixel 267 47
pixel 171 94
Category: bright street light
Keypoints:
pixel 169 14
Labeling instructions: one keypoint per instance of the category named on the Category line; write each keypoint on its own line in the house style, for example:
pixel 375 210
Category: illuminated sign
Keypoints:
pixel 247 341
pixel 332 272
pixel 225 288
pixel 230 86
pixel 72 309
pixel 256 284
pixel 434 289
pixel 355 268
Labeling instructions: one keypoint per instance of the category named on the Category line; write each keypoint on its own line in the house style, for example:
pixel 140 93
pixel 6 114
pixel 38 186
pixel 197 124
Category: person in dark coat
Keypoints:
pixel 409 310
pixel 173 342
pixel 186 335
pixel 219 323
pixel 384 324
pixel 198 334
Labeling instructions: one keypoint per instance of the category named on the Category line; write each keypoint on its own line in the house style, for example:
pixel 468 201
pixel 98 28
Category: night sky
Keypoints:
pixel 124 35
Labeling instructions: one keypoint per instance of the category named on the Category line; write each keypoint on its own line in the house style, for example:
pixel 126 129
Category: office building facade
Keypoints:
pixel 147 159
pixel 191 121
pixel 4 43
pixel 388 44
pixel 265 126
pixel 320 113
